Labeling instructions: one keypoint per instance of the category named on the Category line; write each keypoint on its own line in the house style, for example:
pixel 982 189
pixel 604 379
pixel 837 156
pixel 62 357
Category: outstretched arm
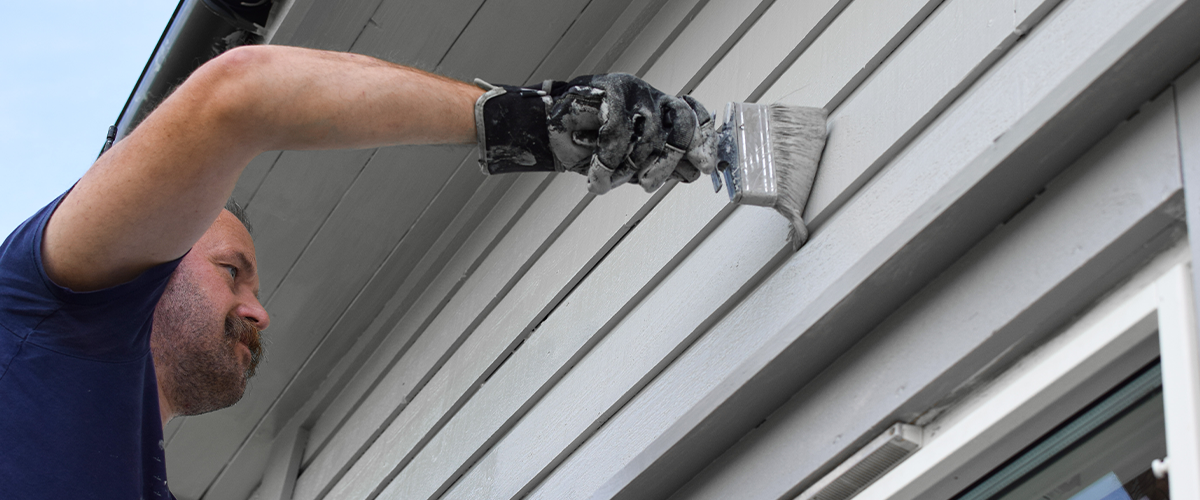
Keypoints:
pixel 150 198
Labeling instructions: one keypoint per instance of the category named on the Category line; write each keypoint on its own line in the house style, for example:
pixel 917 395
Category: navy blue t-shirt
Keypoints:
pixel 79 411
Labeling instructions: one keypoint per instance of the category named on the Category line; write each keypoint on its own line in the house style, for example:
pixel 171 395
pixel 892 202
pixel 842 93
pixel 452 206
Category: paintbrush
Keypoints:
pixel 768 154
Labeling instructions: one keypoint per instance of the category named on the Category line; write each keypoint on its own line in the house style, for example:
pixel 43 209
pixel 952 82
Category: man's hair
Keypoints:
pixel 234 208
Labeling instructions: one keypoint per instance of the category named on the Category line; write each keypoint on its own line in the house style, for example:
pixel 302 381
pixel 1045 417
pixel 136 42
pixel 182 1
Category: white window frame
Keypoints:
pixel 1110 331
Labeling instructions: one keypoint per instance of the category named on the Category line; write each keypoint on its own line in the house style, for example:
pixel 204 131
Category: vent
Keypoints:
pixel 867 464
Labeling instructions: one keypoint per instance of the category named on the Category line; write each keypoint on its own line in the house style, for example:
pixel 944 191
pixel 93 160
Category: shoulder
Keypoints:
pixel 103 324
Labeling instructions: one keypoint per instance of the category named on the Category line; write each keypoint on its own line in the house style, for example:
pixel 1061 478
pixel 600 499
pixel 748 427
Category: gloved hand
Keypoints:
pixel 612 128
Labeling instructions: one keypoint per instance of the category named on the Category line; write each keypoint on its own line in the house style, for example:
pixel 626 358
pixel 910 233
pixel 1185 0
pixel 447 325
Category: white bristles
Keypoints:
pixel 797 140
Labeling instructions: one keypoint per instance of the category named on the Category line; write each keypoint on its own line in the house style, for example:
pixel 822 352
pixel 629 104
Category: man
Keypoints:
pixel 132 298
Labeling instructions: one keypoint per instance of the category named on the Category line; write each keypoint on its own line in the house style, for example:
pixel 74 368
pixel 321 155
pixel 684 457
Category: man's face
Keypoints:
pixel 205 338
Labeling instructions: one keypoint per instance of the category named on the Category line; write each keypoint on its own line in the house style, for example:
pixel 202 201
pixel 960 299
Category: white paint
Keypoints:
pixel 1179 347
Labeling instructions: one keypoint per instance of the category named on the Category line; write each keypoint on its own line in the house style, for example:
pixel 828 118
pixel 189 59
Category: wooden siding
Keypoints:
pixel 517 337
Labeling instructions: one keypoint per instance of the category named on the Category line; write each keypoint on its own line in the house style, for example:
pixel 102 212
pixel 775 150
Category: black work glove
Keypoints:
pixel 612 128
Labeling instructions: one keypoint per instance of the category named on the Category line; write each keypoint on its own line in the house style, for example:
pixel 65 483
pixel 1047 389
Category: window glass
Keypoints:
pixel 1104 453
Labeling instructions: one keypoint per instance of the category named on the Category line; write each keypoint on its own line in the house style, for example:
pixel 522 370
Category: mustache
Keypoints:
pixel 244 331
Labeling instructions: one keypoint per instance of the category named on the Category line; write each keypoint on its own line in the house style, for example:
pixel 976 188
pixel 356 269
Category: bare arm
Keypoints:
pixel 150 198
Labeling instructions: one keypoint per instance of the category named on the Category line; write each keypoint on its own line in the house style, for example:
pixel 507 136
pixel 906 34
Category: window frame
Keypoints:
pixel 1112 330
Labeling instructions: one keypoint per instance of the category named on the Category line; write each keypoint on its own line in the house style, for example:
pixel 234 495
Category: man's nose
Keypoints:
pixel 253 311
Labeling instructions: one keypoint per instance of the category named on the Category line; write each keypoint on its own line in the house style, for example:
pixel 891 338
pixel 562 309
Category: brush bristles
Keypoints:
pixel 797 140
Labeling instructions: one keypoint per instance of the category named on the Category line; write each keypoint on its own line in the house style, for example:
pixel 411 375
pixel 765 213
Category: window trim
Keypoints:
pixel 1106 334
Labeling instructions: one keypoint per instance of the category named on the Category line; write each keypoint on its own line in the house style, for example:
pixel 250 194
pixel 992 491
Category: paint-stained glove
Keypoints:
pixel 612 128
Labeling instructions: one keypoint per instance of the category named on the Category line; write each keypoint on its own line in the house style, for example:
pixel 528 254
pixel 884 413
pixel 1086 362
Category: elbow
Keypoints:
pixel 231 89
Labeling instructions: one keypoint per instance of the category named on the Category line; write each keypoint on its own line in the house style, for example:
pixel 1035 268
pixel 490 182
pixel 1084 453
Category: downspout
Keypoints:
pixel 198 31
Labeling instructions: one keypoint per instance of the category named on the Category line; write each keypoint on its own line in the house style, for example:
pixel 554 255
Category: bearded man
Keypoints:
pixel 132 298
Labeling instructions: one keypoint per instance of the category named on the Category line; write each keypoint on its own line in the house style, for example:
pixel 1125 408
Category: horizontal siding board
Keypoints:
pixel 244 468
pixel 171 428
pixel 459 318
pixel 894 221
pixel 251 461
pixel 508 62
pixel 619 39
pixel 326 426
pixel 280 476
pixel 932 68
pixel 702 43
pixel 624 359
pixel 485 47
pixel 658 34
pixel 319 287
pixel 404 330
pixel 832 67
pixel 787 26
pixel 542 352
pixel 1038 269
pixel 283 217
pixel 519 310
pixel 290 206
pixel 442 459
pixel 587 33
pixel 293 203
pixel 578 475
pixel 402 31
pixel 683 220
pixel 331 25
pixel 445 209
pixel 253 175
pixel 477 428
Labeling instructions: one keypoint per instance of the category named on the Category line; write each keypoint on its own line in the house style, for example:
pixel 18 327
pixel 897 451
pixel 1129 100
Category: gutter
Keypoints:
pixel 198 31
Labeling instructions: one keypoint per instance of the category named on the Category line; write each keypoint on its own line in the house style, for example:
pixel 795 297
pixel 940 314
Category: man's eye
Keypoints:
pixel 232 271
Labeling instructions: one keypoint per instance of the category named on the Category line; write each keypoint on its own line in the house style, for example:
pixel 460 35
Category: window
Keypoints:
pixel 1156 411
pixel 1102 454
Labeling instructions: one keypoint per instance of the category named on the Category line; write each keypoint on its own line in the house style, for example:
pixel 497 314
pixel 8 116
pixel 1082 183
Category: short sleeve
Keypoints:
pixel 93 325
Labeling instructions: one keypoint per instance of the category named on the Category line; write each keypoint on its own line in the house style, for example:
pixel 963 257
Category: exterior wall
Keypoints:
pixel 979 189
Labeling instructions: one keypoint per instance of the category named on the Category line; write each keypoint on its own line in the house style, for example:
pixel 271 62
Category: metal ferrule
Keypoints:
pixel 744 155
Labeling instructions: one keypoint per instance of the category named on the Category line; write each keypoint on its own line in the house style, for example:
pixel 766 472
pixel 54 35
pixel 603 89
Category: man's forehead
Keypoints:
pixel 228 235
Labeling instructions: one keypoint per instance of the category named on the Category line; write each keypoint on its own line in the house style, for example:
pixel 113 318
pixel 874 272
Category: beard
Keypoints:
pixel 195 350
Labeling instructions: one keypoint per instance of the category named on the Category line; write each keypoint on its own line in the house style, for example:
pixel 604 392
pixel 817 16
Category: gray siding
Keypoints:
pixel 516 337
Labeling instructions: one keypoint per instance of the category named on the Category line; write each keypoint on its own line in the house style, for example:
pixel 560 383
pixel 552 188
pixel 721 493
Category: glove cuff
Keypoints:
pixel 510 126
